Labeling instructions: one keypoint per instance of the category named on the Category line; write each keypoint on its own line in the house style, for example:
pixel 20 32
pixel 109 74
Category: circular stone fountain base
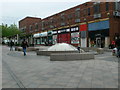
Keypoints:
pixel 71 56
pixel 48 53
pixel 65 52
pixel 58 48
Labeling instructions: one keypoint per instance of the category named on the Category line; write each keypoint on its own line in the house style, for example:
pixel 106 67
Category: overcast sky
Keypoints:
pixel 14 10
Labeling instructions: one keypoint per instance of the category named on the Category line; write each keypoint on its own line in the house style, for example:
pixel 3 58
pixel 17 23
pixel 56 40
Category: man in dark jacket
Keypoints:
pixel 24 46
pixel 118 46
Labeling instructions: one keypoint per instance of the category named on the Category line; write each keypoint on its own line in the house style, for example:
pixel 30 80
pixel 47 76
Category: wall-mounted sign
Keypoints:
pixel 74 29
pixel 83 27
pixel 64 30
pixel 54 32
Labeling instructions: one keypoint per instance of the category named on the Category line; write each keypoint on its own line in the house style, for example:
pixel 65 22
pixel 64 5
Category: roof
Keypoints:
pixel 30 17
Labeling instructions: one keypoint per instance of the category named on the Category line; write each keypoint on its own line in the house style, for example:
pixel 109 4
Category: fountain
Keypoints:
pixel 65 52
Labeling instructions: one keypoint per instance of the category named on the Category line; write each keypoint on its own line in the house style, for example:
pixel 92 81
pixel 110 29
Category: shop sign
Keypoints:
pixel 54 32
pixel 64 30
pixel 98 25
pixel 74 29
pixel 83 27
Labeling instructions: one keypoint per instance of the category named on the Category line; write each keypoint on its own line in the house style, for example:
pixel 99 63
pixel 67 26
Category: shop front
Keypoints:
pixel 37 38
pixel 50 39
pixel 99 33
pixel 83 35
pixel 54 37
pixel 75 36
pixel 64 36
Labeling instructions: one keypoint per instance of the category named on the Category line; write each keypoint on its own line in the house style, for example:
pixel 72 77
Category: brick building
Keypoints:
pixel 91 23
pixel 29 26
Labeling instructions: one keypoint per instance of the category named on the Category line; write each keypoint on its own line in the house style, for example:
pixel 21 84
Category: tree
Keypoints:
pixel 9 31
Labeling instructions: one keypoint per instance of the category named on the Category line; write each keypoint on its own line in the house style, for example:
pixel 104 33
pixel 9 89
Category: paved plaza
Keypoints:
pixel 34 71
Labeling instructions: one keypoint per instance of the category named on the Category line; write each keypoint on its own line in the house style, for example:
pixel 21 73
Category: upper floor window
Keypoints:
pixel 77 12
pixel 117 6
pixel 36 26
pixel 30 27
pixel 62 17
pixel 70 16
pixel 85 12
pixel 107 6
pixel 97 8
pixel 43 24
pixel 88 11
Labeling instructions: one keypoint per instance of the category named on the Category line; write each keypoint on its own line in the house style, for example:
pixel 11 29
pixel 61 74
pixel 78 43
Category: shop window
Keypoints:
pixel 75 38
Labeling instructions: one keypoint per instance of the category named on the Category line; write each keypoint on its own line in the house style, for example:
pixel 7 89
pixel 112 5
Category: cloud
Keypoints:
pixel 15 10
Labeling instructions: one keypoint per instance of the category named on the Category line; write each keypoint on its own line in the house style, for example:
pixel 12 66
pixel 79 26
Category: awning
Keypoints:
pixel 36 35
pixel 43 34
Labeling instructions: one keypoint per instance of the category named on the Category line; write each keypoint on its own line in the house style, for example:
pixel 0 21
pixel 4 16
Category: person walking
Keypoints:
pixel 118 46
pixel 11 45
pixel 78 48
pixel 24 46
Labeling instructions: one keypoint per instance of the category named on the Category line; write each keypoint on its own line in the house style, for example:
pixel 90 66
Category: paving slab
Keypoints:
pixel 39 72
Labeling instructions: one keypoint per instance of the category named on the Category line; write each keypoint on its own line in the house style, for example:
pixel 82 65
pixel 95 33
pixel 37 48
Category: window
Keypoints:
pixel 70 16
pixel 62 24
pixel 36 26
pixel 62 19
pixel 117 6
pixel 77 12
pixel 88 11
pixel 84 12
pixel 107 6
pixel 77 20
pixel 42 24
pixel 30 27
pixel 96 8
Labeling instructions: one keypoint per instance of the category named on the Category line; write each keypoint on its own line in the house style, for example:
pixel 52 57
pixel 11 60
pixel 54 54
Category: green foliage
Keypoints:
pixel 9 31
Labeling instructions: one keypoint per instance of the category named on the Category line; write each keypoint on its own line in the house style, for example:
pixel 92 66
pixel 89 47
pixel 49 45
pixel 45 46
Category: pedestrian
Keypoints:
pixel 118 46
pixel 78 48
pixel 11 43
pixel 24 46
